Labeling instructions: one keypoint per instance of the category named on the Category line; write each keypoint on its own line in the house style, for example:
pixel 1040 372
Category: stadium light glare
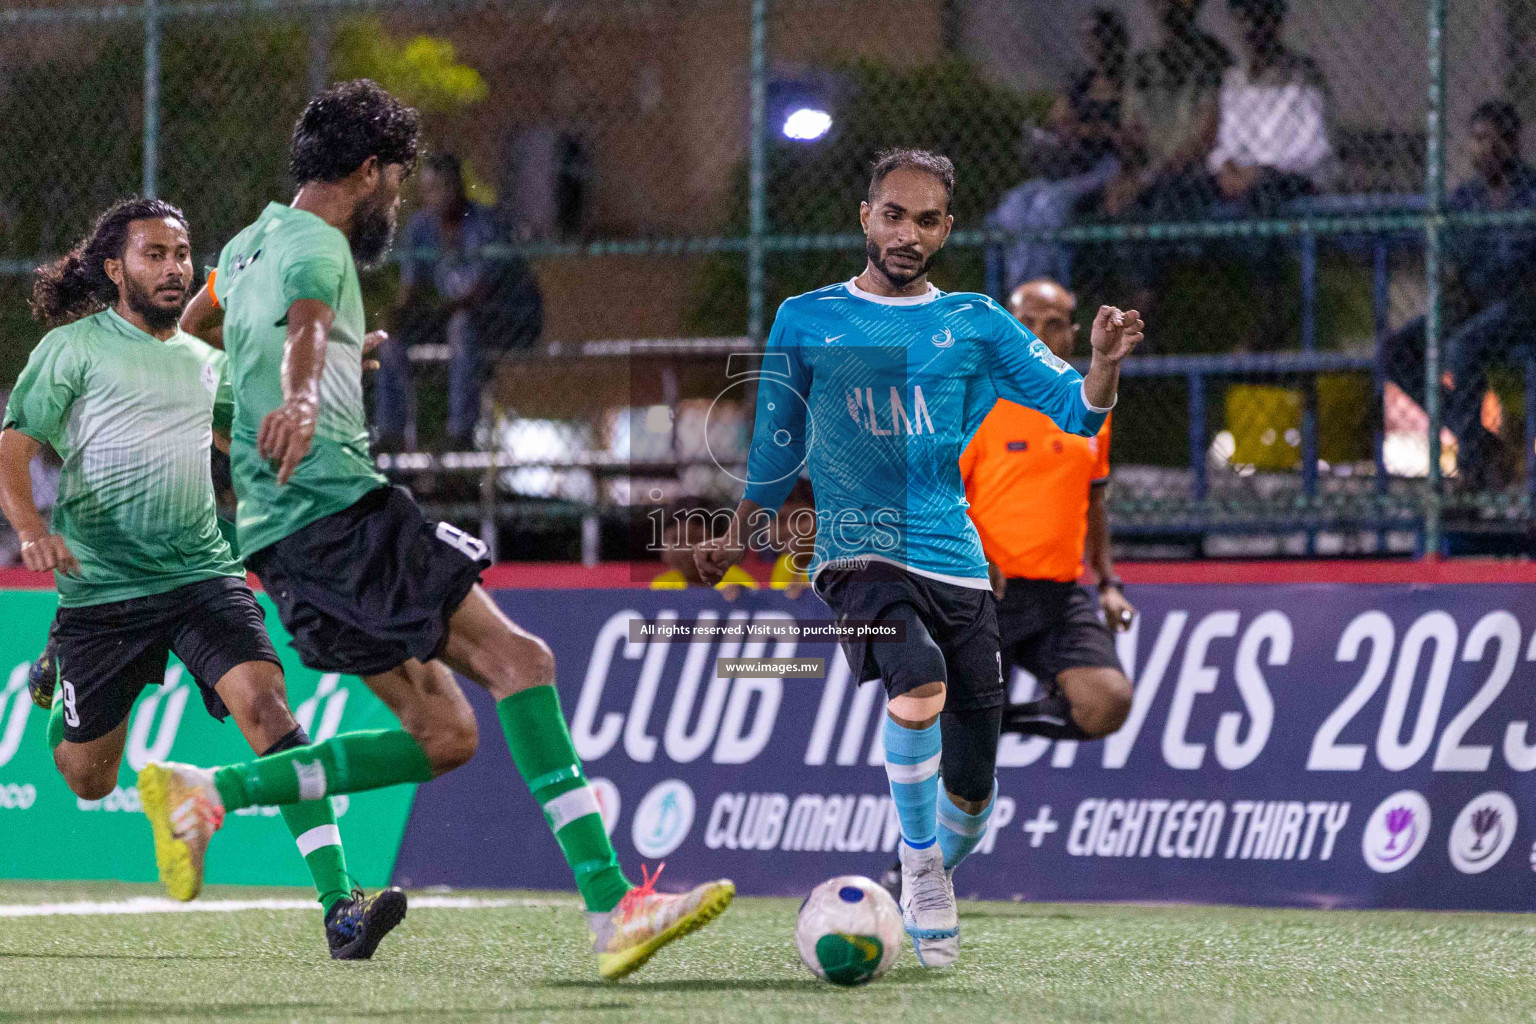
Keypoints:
pixel 807 124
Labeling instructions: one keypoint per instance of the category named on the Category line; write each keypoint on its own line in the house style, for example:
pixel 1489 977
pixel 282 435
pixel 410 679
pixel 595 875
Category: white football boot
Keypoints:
pixel 645 920
pixel 185 810
pixel 928 906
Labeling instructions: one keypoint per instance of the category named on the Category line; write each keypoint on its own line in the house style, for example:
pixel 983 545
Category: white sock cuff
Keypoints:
pixel 315 838
pixel 908 774
pixel 961 822
pixel 969 825
pixel 567 807
pixel 312 780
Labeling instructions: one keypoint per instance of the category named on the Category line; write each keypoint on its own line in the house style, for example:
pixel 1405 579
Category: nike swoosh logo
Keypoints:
pixel 833 338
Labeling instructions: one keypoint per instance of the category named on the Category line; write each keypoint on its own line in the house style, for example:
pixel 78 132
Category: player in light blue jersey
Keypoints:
pixel 877 385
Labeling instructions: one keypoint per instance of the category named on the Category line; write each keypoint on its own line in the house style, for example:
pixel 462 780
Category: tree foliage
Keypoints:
pixel 815 188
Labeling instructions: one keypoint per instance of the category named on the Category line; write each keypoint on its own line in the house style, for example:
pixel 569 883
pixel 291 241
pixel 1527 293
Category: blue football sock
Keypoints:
pixel 912 768
pixel 959 832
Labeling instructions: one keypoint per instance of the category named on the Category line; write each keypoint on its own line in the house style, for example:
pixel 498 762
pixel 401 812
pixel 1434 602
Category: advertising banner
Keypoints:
pixel 1298 744
pixel 47 832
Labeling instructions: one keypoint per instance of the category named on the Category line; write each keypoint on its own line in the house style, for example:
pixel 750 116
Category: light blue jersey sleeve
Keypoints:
pixel 1022 369
pixel 780 431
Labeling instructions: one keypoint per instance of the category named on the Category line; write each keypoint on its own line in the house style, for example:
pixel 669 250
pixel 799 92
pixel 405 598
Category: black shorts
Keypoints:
pixel 107 653
pixel 1048 627
pixel 367 588
pixel 960 621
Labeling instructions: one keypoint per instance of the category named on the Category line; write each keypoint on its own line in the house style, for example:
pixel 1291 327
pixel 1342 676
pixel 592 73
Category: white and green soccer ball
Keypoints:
pixel 850 930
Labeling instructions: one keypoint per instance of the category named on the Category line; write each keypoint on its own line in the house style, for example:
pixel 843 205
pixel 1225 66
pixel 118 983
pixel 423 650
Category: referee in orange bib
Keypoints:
pixel 1037 498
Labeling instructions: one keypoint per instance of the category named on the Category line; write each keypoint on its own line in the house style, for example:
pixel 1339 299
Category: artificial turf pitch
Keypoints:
pixel 529 962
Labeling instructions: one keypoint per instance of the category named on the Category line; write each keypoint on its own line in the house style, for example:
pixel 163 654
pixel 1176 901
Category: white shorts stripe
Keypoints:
pixel 567 807
pixel 320 835
pixel 910 773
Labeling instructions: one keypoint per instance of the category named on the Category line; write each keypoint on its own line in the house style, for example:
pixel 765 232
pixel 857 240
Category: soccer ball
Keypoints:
pixel 849 931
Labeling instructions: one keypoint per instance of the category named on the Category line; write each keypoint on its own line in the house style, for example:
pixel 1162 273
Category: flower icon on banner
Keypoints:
pixel 1399 820
pixel 1396 831
pixel 1483 821
pixel 1482 832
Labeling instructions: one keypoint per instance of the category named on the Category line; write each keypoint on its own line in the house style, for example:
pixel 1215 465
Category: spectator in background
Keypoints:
pixel 1272 135
pixel 1491 299
pixel 1171 116
pixel 1077 153
pixel 1271 147
pixel 1170 120
pixel 483 304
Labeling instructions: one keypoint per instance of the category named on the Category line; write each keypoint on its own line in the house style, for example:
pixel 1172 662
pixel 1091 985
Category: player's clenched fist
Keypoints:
pixel 714 557
pixel 47 553
pixel 285 435
pixel 1116 333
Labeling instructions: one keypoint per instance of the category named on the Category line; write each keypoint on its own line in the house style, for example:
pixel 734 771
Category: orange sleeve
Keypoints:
pixel 1101 464
pixel 212 275
pixel 970 455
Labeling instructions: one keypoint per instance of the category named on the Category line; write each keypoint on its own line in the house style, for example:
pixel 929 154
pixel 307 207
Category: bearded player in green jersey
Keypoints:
pixel 132 404
pixel 364 583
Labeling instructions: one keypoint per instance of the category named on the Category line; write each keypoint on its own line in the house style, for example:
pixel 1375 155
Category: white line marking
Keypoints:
pixel 161 905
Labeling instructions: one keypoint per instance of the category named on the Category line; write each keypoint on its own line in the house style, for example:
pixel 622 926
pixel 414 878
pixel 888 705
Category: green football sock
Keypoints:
pixel 348 763
pixel 313 825
pixel 546 758
pixel 56 724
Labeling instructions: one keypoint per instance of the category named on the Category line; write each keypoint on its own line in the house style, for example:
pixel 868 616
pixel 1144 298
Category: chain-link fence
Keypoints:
pixel 1321 208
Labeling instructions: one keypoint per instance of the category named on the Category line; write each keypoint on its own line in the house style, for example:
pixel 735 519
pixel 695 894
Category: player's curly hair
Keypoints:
pixel 345 125
pixel 76 285
pixel 913 159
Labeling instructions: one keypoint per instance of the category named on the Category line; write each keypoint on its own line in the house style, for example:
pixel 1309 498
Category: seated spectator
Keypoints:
pixel 1491 301
pixel 1272 137
pixel 689 522
pixel 1170 120
pixel 483 304
pixel 1271 147
pixel 1077 153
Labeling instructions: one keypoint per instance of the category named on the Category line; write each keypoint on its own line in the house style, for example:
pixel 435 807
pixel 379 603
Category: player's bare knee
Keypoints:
pixel 271 717
pixel 453 737
pixel 1104 710
pixel 536 663
pixel 451 740
pixel 85 781
pixel 91 787
pixel 521 665
pixel 917 707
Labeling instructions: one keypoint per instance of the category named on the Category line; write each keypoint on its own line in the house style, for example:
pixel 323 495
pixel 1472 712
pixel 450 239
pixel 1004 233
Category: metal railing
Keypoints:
pixel 755 241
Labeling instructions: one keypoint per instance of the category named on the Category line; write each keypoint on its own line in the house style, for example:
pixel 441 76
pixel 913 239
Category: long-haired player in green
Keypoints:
pixel 366 585
pixel 132 404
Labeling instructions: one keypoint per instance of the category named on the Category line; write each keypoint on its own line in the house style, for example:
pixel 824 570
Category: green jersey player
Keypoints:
pixel 131 405
pixel 362 580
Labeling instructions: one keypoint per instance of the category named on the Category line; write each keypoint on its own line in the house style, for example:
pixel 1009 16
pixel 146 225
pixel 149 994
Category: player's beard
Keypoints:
pixel 898 278
pixel 142 301
pixel 373 229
